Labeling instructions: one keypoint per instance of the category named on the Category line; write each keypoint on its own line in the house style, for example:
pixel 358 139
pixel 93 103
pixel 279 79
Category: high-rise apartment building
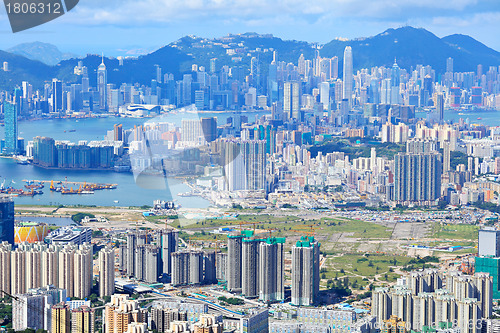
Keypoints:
pixel 417 177
pixel 245 165
pixel 234 261
pixel 82 320
pixel 271 270
pixel 106 272
pixel 120 312
pixel 305 272
pixel 61 320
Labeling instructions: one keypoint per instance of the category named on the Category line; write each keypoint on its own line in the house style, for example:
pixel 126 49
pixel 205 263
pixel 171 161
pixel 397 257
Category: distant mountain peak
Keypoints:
pixel 43 52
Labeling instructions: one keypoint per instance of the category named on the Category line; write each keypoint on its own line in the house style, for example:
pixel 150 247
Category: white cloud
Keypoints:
pixel 170 11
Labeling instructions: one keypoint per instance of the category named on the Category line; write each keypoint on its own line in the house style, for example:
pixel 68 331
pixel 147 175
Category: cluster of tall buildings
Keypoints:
pixel 47 152
pixel 429 297
pixel 193 267
pixel 29 266
pixel 147 256
pixel 255 267
pixel 47 309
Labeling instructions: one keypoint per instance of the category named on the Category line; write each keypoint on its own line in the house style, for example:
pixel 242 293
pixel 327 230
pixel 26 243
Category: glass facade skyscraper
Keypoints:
pixel 6 219
pixel 11 140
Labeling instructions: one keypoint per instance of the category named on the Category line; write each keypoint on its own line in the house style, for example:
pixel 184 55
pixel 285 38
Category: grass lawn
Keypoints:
pixel 455 231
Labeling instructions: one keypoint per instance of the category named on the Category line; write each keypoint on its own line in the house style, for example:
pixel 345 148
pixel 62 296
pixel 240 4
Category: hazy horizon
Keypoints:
pixel 126 26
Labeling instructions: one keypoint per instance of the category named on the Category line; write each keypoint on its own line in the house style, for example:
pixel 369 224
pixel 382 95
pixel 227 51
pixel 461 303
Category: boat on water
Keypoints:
pixel 479 118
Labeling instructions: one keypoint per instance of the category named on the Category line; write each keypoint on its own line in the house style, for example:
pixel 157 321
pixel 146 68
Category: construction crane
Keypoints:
pixel 312 227
pixel 307 233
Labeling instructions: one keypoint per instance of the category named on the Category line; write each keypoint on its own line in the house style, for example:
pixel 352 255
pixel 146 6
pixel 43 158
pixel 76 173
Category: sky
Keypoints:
pixel 130 27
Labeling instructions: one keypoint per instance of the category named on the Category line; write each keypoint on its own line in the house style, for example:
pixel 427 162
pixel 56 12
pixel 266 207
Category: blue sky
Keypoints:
pixel 121 27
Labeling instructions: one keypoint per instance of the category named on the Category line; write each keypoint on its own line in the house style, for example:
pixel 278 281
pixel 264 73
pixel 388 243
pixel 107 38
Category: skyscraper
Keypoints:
pixel 106 272
pixel 291 100
pixel 250 268
pixel 11 129
pixel 102 80
pixel 6 219
pixel 271 270
pixel 234 264
pixel 417 177
pixel 57 96
pixel 348 75
pixel 440 107
pixel 245 165
pixel 305 272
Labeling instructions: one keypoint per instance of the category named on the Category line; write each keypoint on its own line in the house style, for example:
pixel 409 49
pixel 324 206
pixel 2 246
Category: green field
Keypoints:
pixel 376 269
pixel 455 231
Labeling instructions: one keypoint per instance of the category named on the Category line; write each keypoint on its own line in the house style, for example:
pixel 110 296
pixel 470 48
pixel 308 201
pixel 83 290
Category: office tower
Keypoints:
pixel 82 320
pixel 106 272
pixel 192 132
pixel 490 265
pixel 57 96
pixel 120 312
pixel 6 219
pixel 291 100
pixel 348 76
pixel 31 311
pixel 440 107
pixel 446 156
pixel 118 132
pixel 169 244
pixel 449 65
pixel 324 95
pixel 395 81
pixel 250 268
pixel 61 322
pixel 417 177
pixel 213 65
pixel 245 165
pixel 102 81
pixel 305 272
pixel 271 270
pixel 334 68
pixel 234 264
pixel 489 242
pixel 11 129
pixel 208 324
pixel 209 128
